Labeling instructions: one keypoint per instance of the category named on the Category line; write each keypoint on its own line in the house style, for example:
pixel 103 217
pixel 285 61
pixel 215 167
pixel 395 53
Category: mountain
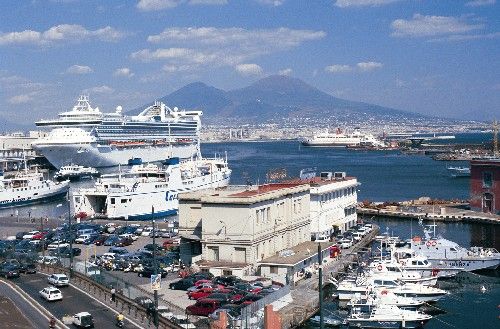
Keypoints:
pixel 272 98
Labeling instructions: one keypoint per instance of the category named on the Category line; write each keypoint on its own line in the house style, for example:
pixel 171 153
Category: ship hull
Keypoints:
pixel 45 194
pixel 98 156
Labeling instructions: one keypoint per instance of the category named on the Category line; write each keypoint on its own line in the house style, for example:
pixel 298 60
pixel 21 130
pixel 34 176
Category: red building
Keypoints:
pixel 485 185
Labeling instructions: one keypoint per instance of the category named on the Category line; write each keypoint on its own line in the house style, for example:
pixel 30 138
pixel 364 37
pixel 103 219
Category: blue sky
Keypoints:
pixel 437 57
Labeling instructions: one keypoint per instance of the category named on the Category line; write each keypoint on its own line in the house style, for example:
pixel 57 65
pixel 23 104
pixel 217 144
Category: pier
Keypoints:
pixel 437 213
pixel 305 293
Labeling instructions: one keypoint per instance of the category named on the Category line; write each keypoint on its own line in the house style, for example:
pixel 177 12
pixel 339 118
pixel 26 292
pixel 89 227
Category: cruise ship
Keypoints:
pixel 86 136
pixel 340 139
pixel 131 195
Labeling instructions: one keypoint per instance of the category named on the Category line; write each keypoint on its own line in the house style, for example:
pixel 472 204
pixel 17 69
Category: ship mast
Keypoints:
pixel 495 138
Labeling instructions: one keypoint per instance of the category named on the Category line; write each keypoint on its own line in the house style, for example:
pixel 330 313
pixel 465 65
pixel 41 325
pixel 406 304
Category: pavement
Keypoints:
pixel 74 301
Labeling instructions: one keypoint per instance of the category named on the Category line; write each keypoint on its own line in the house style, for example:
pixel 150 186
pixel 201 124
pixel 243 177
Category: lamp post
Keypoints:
pixel 320 288
pixel 155 269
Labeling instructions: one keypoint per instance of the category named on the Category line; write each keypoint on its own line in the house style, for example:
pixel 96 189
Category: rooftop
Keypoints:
pixel 319 181
pixel 299 253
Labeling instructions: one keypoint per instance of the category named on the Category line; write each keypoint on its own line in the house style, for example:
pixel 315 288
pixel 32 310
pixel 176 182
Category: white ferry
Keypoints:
pixel 340 139
pixel 29 187
pixel 85 136
pixel 75 172
pixel 132 195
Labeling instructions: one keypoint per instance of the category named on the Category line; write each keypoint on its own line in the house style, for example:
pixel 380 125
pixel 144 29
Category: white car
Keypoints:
pixel 58 280
pixel 82 238
pixel 56 245
pixel 51 294
pixel 47 260
pixel 109 256
pixel 129 235
pixel 345 243
pixel 147 231
pixel 83 320
pixel 30 235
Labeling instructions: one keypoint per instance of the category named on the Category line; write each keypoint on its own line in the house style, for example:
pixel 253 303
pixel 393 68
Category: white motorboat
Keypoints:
pixel 410 261
pixel 386 316
pixel 390 269
pixel 459 171
pixel 327 320
pixel 75 172
pixel 131 195
pixel 340 139
pixel 384 296
pixel 29 187
pixel 347 289
pixel 443 253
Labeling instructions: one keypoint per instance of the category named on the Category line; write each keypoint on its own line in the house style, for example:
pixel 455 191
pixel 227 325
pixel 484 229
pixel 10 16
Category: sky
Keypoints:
pixel 438 57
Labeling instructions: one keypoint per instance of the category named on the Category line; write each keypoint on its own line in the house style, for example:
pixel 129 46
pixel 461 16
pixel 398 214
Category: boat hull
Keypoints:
pixel 53 193
pixel 386 324
pixel 98 156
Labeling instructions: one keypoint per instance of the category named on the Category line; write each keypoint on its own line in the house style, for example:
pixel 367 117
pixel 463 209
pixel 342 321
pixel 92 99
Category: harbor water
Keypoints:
pixel 384 176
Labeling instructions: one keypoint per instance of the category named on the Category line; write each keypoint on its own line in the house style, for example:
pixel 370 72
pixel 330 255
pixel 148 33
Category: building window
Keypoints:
pixel 214 253
pixel 487 179
pixel 273 269
pixel 227 272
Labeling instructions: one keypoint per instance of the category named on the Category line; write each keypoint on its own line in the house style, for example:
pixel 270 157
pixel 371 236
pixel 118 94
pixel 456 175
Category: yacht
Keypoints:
pixel 443 253
pixel 340 139
pixel 459 171
pixel 392 270
pixel 132 195
pixel 410 261
pixel 88 137
pixel 29 187
pixel 384 296
pixel 386 316
pixel 75 172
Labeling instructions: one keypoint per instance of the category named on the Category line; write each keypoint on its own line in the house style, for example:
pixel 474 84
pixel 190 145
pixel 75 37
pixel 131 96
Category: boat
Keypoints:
pixel 132 195
pixel 28 188
pixel 327 320
pixel 443 253
pixel 134 161
pixel 386 316
pixel 384 296
pixel 391 269
pixel 340 139
pixel 75 172
pixel 347 289
pixel 86 136
pixel 459 171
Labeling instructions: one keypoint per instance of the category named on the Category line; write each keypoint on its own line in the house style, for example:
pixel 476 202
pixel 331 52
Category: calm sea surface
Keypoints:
pixel 384 176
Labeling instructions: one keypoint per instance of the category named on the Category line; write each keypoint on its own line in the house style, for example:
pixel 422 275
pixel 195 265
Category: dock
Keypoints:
pixel 305 292
pixel 430 213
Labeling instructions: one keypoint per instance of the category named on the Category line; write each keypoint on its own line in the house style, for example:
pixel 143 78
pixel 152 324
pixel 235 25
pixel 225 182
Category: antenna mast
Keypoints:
pixel 495 138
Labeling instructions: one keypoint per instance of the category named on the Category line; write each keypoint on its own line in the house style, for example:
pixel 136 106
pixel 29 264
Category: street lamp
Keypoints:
pixel 155 268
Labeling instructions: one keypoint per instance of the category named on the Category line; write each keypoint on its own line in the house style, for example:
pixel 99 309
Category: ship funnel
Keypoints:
pixel 119 109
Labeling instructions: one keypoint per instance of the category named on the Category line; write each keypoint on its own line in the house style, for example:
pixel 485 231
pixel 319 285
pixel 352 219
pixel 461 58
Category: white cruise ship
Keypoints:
pixel 132 195
pixel 88 137
pixel 29 187
pixel 340 139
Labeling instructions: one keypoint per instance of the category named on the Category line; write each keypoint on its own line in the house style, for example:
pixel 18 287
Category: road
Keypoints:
pixel 74 301
pixel 16 312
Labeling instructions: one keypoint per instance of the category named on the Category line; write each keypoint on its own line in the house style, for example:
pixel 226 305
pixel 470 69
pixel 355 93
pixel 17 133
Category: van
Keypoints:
pixel 86 231
pixel 203 307
pixel 357 236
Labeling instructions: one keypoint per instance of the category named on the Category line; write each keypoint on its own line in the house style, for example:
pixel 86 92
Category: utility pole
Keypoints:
pixel 320 288
pixel 70 239
pixel 155 269
pixel 495 138
pixel 43 242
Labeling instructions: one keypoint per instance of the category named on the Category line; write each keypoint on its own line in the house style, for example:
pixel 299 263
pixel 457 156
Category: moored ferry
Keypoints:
pixel 340 139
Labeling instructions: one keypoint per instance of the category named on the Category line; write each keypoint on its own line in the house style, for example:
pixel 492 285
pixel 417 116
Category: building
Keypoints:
pixel 333 203
pixel 485 185
pixel 229 231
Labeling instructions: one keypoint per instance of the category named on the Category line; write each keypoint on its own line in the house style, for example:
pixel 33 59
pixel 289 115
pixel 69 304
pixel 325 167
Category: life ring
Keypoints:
pixel 435 271
pixel 384 292
pixel 428 243
pixel 402 262
pixel 434 243
pixel 417 238
pixel 379 267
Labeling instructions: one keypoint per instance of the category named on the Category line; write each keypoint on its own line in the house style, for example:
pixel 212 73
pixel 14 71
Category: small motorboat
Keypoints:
pixel 386 316
pixel 327 320
pixel 75 172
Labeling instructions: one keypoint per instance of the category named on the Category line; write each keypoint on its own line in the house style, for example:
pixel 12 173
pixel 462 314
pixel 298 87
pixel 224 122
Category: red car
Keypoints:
pixel 40 235
pixel 204 292
pixel 203 307
pixel 199 282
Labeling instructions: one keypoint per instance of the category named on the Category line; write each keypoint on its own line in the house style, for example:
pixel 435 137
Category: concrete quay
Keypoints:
pixel 305 293
pixel 428 212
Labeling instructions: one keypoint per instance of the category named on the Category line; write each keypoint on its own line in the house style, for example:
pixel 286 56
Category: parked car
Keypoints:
pixel 83 320
pixel 111 240
pixel 223 297
pixel 246 287
pixel 182 284
pixel 203 307
pixel 249 299
pixel 51 294
pixel 148 271
pixel 9 271
pixel 200 293
pixel 29 268
pixel 19 235
pixel 40 235
pixel 123 241
pixel 58 280
pixel 100 240
pixel 227 280
pixel 345 243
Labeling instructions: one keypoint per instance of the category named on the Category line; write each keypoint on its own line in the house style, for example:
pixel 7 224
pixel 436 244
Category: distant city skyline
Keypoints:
pixel 435 57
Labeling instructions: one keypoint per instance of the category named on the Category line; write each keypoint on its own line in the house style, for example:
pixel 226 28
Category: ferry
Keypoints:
pixel 88 137
pixel 133 194
pixel 29 187
pixel 75 172
pixel 340 139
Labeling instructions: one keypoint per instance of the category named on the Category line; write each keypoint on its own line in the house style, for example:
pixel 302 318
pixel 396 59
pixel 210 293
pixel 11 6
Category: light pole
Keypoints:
pixel 320 288
pixel 70 239
pixel 155 269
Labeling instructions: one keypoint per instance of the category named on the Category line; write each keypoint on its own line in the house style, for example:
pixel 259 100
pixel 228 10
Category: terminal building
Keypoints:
pixel 485 185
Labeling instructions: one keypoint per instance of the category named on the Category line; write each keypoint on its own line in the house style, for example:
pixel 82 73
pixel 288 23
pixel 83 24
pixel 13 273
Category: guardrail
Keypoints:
pixel 121 303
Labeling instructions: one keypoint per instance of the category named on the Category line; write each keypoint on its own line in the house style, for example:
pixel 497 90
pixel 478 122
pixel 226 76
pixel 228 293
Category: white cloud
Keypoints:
pixel 478 3
pixel 425 26
pixel 361 3
pixel 249 69
pixel 123 72
pixel 99 90
pixel 369 66
pixel 79 69
pixel 287 71
pixel 338 68
pixel 466 37
pixel 21 99
pixel 208 2
pixel 154 5
pixel 60 33
pixel 274 3
pixel 209 46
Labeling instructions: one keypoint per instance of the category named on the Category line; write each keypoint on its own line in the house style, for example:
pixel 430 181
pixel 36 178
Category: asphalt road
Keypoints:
pixel 22 315
pixel 74 301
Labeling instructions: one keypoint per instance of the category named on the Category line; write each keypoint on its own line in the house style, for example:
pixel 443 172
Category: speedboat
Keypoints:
pixel 390 269
pixel 327 320
pixel 386 316
pixel 75 172
pixel 410 261
pixel 384 296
